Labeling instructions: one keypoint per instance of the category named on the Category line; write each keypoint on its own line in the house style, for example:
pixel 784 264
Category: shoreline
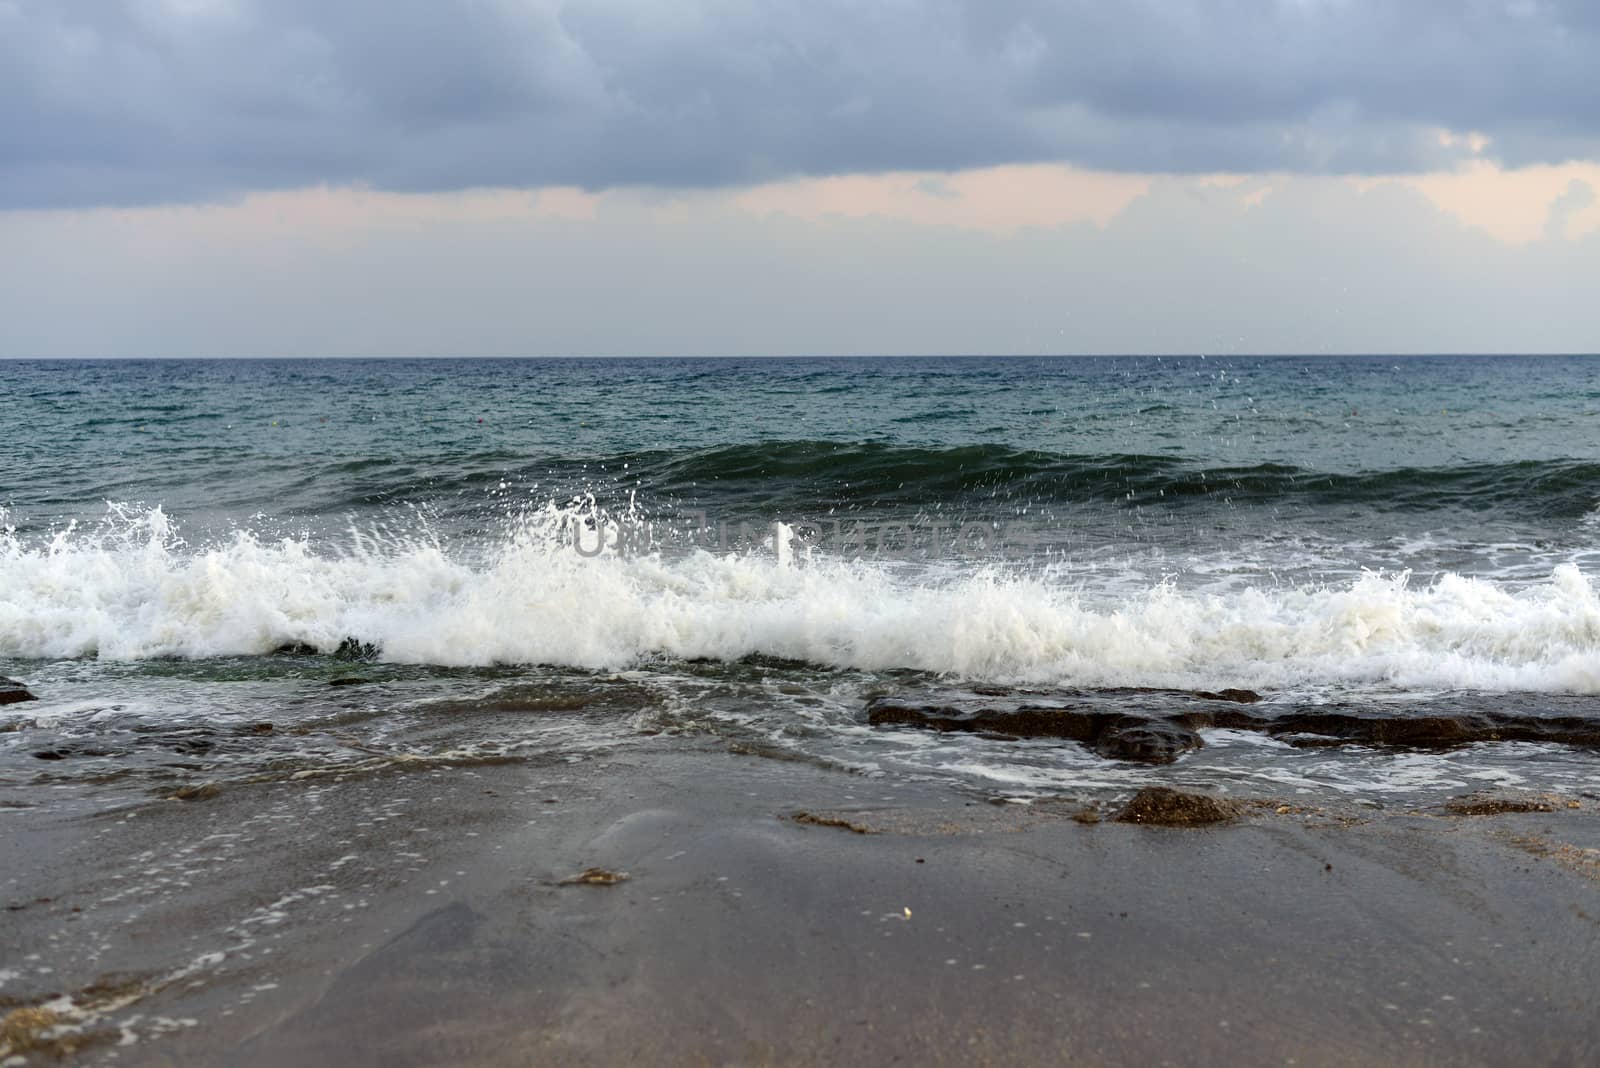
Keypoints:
pixel 430 915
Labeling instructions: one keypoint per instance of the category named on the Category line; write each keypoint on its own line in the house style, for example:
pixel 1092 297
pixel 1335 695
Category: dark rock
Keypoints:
pixel 1148 741
pixel 596 877
pixel 777 663
pixel 191 746
pixel 71 750
pixel 1166 807
pixel 1439 729
pixel 185 743
pixel 349 682
pixel 1416 732
pixel 356 650
pixel 12 692
pixel 1493 804
pixel 1232 696
pixel 1156 726
pixel 831 821
pixel 1017 720
pixel 1241 697
pixel 295 649
pixel 1100 720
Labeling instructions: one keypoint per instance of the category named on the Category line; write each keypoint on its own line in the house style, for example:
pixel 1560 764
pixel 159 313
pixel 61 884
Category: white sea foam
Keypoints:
pixel 132 590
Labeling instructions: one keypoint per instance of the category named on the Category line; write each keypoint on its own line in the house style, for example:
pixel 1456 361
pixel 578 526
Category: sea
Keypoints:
pixel 232 571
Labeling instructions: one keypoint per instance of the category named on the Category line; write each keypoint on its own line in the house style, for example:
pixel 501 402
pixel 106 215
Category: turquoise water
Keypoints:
pixel 311 437
pixel 189 545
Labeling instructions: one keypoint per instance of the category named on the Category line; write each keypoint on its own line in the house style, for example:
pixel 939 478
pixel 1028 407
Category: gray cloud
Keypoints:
pixel 137 101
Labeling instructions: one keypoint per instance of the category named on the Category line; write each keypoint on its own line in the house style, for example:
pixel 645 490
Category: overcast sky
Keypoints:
pixel 297 177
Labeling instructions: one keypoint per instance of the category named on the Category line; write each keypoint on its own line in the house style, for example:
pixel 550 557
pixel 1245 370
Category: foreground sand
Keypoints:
pixel 425 915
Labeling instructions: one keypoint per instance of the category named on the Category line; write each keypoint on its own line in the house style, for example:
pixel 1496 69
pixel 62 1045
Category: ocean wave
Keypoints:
pixel 818 475
pixel 848 474
pixel 131 590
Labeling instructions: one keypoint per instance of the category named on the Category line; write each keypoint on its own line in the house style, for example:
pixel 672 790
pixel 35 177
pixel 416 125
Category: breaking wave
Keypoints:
pixel 132 590
pixel 800 474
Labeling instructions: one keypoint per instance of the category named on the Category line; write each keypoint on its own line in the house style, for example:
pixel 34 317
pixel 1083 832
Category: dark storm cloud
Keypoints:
pixel 142 101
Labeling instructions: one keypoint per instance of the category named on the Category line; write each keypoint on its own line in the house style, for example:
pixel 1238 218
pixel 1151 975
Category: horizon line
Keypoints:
pixel 1421 354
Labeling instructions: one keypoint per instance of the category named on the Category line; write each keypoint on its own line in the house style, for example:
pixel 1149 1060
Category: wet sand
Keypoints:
pixel 426 915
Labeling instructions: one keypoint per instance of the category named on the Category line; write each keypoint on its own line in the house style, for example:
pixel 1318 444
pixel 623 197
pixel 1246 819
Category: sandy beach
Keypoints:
pixel 434 914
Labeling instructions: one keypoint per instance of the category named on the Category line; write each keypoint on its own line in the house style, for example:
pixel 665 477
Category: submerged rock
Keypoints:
pixel 1147 741
pixel 1118 724
pixel 1021 720
pixel 1165 807
pixel 1157 726
pixel 12 691
pixel 1438 728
